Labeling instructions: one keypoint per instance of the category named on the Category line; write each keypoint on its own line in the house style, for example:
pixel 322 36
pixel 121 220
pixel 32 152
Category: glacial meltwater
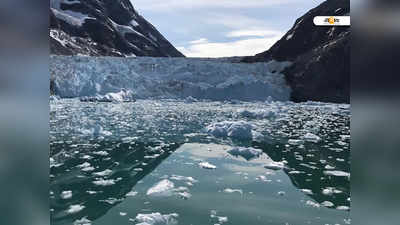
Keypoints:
pixel 189 162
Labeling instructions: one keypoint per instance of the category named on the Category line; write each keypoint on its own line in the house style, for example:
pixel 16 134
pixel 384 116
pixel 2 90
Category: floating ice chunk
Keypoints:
pixel 182 178
pixel 102 182
pixel 312 137
pixel 330 191
pixel 312 204
pixel 75 208
pixel 83 221
pixel 122 96
pixel 66 194
pixel 184 195
pixel 54 98
pixel 88 169
pixel 295 142
pixel 207 165
pixel 190 99
pixel 163 188
pixel 337 173
pixel 329 167
pixel 306 191
pixel 222 219
pixel 327 204
pixel 131 194
pixel 344 208
pixel 257 114
pixel 275 166
pixel 122 213
pixel 246 153
pixel 100 153
pixel 238 130
pixel 230 190
pixel 156 219
pixel 281 193
pixel 104 173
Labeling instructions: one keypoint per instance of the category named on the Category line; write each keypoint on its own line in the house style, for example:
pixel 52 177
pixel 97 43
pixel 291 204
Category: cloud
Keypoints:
pixel 199 41
pixel 254 33
pixel 244 47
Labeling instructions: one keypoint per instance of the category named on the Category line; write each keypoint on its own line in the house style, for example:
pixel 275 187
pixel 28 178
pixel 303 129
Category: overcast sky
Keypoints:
pixel 219 28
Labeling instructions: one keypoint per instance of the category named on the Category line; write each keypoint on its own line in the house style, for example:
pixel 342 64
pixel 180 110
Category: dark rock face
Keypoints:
pixel 104 28
pixel 320 56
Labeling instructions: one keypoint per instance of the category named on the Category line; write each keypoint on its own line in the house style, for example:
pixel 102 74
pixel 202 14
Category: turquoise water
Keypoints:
pixel 107 158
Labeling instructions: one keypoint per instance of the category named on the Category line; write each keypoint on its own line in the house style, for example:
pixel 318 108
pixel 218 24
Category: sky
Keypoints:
pixel 222 28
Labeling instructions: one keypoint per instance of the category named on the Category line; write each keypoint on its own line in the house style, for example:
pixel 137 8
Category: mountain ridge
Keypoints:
pixel 104 28
pixel 320 56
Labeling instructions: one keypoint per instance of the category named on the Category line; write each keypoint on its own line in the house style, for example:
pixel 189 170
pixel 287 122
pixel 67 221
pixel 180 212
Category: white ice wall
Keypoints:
pixel 148 77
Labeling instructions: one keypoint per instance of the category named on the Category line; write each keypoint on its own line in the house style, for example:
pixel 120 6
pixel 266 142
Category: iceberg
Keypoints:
pixel 156 219
pixel 240 130
pixel 163 188
pixel 122 96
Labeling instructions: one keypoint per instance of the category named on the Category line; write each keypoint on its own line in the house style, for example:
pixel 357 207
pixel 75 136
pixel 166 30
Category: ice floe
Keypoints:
pixel 275 165
pixel 66 194
pixel 337 173
pixel 241 130
pixel 75 209
pixel 163 188
pixel 312 137
pixel 83 221
pixel 230 190
pixel 207 165
pixel 121 96
pixel 156 219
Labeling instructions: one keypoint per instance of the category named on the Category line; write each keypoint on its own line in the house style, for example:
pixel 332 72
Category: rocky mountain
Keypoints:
pixel 104 28
pixel 320 56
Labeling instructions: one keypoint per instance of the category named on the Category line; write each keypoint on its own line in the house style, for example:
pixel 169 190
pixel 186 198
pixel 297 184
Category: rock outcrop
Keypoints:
pixel 104 28
pixel 320 56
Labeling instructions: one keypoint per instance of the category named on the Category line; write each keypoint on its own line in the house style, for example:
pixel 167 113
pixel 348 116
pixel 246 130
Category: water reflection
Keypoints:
pixel 306 167
pixel 77 171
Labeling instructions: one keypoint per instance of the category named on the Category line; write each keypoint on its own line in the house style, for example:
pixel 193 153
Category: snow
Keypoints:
pixel 162 189
pixel 156 219
pixel 240 130
pixel 246 153
pixel 289 37
pixel 71 17
pixel 207 165
pixel 134 23
pixel 147 77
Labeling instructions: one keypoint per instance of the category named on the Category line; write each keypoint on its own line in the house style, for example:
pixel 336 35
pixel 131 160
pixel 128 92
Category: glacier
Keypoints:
pixel 163 78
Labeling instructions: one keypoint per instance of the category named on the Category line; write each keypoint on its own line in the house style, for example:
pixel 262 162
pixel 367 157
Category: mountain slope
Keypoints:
pixel 104 28
pixel 320 56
